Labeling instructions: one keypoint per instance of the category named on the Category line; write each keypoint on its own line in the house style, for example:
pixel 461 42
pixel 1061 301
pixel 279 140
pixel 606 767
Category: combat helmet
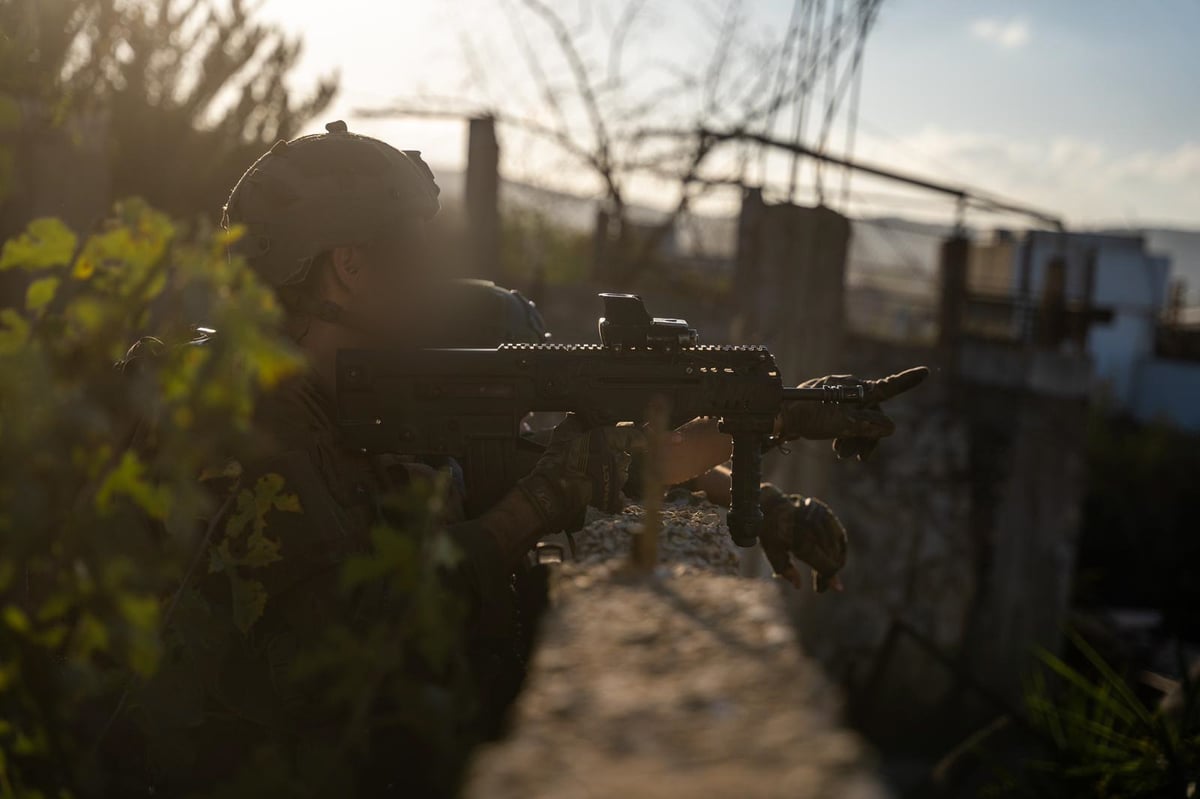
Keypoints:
pixel 306 196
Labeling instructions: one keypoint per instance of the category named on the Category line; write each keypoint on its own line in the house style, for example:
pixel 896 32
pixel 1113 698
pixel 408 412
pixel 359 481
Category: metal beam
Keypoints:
pixel 962 194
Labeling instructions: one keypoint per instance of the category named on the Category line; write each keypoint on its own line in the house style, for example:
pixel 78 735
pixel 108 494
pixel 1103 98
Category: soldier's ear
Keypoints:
pixel 347 265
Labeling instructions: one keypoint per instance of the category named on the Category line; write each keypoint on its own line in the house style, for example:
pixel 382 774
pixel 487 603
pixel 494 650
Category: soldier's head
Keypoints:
pixel 336 223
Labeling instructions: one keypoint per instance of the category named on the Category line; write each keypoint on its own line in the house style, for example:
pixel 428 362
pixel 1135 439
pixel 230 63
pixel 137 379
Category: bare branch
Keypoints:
pixel 616 46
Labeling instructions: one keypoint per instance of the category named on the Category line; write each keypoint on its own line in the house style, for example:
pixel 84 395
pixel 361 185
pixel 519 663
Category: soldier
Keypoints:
pixel 336 222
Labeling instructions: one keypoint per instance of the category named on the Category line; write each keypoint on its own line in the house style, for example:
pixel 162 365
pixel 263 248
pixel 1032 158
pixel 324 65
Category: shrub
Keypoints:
pixel 103 543
pixel 1098 739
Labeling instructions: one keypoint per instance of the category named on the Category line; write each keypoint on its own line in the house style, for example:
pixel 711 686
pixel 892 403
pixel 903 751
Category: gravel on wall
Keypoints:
pixel 694 538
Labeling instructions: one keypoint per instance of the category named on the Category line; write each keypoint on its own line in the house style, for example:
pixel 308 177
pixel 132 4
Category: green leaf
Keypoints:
pixel 1114 681
pixel 128 479
pixel 140 611
pixel 250 514
pixel 243 514
pixel 289 503
pixel 40 293
pixel 45 243
pixel 249 602
pixel 260 551
pixel 227 238
pixel 394 555
pixel 16 619
pixel 14 331
pixel 90 635
pixel 85 315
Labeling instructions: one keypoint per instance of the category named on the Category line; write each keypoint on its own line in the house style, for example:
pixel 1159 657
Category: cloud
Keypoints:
pixel 1008 35
pixel 1081 178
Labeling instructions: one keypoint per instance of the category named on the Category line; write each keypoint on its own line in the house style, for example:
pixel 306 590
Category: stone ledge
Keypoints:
pixel 685 684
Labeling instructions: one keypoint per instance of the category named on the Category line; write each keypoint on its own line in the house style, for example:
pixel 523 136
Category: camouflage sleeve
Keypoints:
pixel 483 579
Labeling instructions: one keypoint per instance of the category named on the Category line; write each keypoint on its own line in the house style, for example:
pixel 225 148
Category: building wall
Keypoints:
pixel 962 528
pixel 991 267
pixel 1168 391
pixel 1107 273
pixel 1134 286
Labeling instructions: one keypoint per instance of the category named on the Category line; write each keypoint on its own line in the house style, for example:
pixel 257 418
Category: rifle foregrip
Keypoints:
pixel 745 515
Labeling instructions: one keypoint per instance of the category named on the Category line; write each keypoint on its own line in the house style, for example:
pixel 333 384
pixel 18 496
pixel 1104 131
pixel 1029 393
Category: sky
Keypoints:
pixel 1089 109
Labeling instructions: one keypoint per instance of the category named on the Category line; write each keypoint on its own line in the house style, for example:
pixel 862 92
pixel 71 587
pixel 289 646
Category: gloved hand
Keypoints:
pixel 806 528
pixel 580 468
pixel 856 429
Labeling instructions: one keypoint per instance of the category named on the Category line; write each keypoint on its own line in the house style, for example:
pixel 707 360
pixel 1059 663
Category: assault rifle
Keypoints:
pixel 469 403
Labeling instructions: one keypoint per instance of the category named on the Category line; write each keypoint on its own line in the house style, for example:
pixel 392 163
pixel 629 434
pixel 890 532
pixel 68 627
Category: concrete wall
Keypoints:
pixel 963 529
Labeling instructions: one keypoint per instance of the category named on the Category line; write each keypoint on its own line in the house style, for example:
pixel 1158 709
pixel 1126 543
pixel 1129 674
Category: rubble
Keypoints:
pixel 694 537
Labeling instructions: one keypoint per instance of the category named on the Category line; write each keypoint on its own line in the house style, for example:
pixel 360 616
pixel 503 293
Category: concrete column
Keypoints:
pixel 747 268
pixel 483 199
pixel 952 272
pixel 802 285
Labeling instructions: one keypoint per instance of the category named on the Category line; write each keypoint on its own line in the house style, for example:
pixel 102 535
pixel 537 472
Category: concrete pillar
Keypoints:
pixel 1052 312
pixel 801 285
pixel 952 273
pixel 746 281
pixel 483 199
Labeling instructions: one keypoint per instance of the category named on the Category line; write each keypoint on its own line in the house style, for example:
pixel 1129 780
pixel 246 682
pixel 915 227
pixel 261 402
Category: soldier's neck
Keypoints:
pixel 320 341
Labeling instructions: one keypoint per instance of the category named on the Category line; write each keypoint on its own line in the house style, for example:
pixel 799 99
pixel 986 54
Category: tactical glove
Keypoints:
pixel 856 429
pixel 580 468
pixel 806 528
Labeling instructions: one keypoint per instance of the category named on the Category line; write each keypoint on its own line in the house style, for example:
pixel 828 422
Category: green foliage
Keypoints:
pixel 185 93
pixel 122 506
pixel 94 533
pixel 1100 739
